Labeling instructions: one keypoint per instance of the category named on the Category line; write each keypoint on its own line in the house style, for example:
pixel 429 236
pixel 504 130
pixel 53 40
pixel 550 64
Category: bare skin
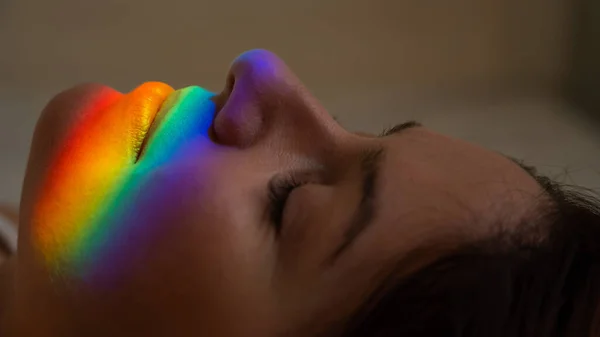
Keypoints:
pixel 216 266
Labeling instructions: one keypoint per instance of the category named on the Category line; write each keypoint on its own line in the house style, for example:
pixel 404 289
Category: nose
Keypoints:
pixel 264 101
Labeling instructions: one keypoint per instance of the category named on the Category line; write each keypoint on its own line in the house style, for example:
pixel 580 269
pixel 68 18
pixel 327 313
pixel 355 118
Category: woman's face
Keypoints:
pixel 247 213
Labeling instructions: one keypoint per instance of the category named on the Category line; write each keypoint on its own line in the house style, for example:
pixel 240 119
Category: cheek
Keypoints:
pixel 166 219
pixel 190 230
pixel 181 238
pixel 87 178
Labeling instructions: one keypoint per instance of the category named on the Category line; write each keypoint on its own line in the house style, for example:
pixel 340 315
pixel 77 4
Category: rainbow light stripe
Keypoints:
pixel 88 207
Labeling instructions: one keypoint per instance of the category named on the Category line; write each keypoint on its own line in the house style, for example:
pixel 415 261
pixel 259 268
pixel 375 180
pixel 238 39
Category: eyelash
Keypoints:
pixel 279 191
pixel 398 128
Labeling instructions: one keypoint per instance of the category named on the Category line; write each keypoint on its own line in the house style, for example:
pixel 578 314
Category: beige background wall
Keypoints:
pixel 584 74
pixel 335 45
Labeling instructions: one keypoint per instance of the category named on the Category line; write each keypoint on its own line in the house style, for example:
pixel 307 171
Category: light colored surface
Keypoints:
pixel 370 62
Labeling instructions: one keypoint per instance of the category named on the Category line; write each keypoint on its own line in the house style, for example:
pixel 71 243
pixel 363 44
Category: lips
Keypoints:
pixel 88 170
pixel 186 114
pixel 155 122
pixel 142 105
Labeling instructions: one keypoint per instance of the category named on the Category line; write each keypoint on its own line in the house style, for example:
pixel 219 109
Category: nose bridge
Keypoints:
pixel 265 101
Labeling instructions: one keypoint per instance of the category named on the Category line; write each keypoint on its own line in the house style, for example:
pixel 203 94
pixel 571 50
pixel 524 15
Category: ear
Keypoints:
pixel 9 220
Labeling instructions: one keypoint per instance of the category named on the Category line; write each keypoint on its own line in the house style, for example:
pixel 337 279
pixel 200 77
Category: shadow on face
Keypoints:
pixel 248 212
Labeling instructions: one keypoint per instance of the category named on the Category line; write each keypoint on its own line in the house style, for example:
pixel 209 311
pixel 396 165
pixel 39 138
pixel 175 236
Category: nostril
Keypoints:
pixel 222 97
pixel 239 115
pixel 220 101
pixel 230 82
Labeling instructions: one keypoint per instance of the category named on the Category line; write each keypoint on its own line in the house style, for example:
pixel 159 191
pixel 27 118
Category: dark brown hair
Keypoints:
pixel 542 279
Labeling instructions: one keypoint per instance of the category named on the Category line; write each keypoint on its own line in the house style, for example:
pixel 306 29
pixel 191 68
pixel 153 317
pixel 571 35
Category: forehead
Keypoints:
pixel 436 191
pixel 445 157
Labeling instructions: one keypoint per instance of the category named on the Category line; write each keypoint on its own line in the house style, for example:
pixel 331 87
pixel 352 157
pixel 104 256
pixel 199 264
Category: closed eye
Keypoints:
pixel 279 191
pixel 281 186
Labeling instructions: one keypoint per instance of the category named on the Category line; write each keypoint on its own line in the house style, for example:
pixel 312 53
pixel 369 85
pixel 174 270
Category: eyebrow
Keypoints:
pixel 399 128
pixel 365 213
